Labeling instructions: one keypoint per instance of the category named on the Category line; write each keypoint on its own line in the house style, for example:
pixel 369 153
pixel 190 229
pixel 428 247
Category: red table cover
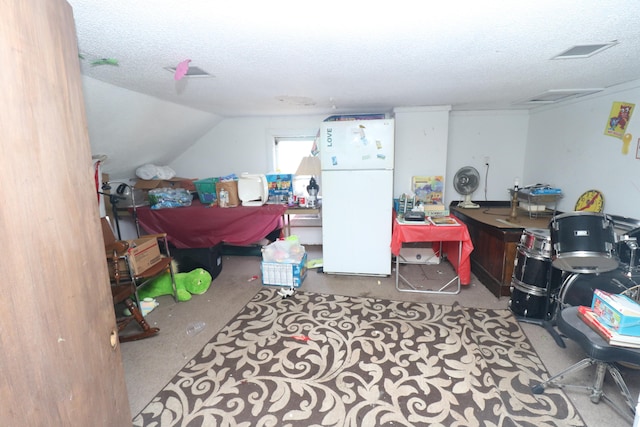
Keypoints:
pixel 450 236
pixel 201 226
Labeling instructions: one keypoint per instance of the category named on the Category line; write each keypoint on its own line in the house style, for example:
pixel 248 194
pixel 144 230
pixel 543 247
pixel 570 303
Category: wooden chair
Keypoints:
pixel 125 282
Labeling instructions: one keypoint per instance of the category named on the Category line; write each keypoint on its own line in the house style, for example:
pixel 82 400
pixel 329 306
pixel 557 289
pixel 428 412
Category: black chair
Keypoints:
pixel 599 353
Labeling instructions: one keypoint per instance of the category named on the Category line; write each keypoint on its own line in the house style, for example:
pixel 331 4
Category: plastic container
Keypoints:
pixel 206 189
pixel 195 328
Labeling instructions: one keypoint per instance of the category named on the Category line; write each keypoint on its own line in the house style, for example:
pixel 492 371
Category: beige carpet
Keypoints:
pixel 330 360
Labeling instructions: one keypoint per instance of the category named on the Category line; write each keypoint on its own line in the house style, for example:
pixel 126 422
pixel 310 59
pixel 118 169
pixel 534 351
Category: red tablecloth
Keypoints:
pixel 450 236
pixel 201 226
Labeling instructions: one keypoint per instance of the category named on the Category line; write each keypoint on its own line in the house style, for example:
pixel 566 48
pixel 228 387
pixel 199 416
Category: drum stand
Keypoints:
pixel 547 324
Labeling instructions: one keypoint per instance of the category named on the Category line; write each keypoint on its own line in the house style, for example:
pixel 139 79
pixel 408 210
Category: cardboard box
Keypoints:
pixel 418 256
pixel 284 274
pixel 143 253
pixel 150 184
pixel 618 312
pixel 230 187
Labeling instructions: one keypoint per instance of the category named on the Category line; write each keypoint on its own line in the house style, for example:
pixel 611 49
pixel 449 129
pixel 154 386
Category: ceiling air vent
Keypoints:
pixel 193 71
pixel 556 95
pixel 584 50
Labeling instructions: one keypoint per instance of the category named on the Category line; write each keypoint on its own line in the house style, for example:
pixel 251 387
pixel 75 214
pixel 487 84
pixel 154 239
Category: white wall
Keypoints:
pixel 420 146
pixel 134 129
pixel 567 148
pixel 239 145
pixel 245 145
pixel 563 145
pixel 499 135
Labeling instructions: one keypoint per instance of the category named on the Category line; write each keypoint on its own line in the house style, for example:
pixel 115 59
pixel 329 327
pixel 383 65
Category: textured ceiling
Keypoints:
pixel 304 57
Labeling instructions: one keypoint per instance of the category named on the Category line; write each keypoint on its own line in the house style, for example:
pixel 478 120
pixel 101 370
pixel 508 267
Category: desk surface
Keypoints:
pixel 201 226
pixel 450 236
pixel 499 217
pixel 298 210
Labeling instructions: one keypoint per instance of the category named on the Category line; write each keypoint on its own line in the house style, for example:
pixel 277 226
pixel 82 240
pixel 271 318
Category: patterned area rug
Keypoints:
pixel 331 360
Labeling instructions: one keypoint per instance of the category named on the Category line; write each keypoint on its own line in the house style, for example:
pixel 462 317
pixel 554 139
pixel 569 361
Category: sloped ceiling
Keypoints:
pixel 309 57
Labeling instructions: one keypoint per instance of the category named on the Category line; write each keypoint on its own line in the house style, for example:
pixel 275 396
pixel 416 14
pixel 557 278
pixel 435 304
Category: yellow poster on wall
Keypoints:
pixel 619 119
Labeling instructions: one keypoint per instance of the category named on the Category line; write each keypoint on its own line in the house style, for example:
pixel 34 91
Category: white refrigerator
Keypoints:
pixel 357 196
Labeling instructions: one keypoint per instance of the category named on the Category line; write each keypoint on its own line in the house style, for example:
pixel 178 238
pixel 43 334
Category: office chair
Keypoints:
pixel 599 353
pixel 125 282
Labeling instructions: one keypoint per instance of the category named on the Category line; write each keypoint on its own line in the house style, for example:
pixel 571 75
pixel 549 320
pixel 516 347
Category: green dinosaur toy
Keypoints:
pixel 194 282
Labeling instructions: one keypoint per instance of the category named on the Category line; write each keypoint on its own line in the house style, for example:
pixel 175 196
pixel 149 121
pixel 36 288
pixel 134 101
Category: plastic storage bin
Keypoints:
pixel 191 258
pixel 284 274
pixel 206 189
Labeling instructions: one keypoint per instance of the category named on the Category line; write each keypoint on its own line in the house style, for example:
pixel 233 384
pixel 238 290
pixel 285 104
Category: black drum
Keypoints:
pixel 627 250
pixel 583 242
pixel 531 286
pixel 530 301
pixel 533 269
pixel 577 289
pixel 536 240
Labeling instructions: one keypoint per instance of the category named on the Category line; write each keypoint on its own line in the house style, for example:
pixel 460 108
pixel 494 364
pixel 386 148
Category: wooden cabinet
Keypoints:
pixel 495 242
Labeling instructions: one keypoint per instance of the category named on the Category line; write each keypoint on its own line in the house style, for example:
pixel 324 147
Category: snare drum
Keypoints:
pixel 536 240
pixel 577 289
pixel 583 242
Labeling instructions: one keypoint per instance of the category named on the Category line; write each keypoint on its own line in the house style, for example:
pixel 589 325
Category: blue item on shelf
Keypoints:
pixel 546 190
pixel 160 198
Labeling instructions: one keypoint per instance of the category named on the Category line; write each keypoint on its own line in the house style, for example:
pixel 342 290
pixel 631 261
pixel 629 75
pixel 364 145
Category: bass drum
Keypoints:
pixel 577 288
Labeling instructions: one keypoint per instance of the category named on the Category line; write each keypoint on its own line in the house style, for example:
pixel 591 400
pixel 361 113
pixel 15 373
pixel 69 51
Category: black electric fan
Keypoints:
pixel 466 181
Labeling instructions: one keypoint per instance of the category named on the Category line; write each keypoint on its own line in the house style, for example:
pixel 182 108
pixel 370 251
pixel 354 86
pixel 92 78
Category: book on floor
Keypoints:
pixel 591 319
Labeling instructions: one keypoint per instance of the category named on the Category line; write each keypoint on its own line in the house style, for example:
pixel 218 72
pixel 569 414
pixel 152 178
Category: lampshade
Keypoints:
pixel 309 165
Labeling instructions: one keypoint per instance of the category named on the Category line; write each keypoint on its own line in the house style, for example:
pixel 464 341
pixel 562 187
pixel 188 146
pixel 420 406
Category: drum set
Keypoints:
pixel 562 266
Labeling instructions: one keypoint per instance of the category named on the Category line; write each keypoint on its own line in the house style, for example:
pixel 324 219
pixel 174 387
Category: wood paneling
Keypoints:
pixel 58 366
pixel 495 243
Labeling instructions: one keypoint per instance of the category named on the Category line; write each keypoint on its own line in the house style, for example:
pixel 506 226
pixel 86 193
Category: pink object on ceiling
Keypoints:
pixel 181 69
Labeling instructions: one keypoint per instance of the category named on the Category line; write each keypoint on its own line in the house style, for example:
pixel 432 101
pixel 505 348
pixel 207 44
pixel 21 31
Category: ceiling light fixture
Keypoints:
pixel 584 50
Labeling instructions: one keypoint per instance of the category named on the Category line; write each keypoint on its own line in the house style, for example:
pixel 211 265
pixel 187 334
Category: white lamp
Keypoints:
pixel 310 166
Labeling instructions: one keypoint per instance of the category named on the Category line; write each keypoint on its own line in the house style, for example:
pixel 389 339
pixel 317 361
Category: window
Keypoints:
pixel 288 152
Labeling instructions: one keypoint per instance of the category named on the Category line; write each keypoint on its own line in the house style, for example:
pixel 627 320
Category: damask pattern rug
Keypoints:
pixel 329 360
